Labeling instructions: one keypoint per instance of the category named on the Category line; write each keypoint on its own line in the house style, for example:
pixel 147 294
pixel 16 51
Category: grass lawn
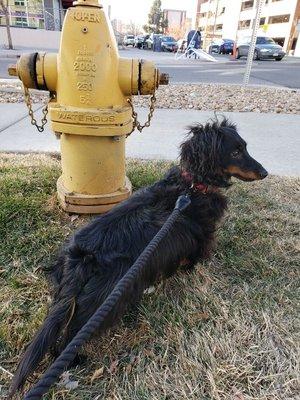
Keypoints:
pixel 230 330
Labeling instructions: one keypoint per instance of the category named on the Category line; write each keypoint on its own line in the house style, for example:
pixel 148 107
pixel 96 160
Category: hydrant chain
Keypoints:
pixel 40 128
pixel 136 123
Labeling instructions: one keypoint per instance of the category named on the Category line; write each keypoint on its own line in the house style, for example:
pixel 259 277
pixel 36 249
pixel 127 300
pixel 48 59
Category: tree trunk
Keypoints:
pixel 5 10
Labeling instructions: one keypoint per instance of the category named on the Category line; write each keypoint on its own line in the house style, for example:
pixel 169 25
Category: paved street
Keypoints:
pixel 284 73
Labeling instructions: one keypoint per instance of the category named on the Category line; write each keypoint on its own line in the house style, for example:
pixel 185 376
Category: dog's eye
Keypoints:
pixel 236 153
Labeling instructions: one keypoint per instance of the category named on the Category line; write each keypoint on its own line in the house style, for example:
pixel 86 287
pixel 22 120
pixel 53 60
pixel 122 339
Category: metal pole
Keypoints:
pixel 9 14
pixel 260 4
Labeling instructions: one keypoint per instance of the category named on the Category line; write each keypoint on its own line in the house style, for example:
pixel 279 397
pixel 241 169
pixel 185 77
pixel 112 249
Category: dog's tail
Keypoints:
pixel 46 337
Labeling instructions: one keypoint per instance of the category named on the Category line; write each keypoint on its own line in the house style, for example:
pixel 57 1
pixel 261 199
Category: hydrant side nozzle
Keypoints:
pixel 37 71
pixel 26 70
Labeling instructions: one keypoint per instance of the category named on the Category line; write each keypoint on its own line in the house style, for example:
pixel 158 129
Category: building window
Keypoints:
pixel 21 21
pixel 223 10
pixel 279 19
pixel 245 24
pixel 279 40
pixel 19 2
pixel 247 4
pixel 219 27
pixel 262 21
pixel 275 1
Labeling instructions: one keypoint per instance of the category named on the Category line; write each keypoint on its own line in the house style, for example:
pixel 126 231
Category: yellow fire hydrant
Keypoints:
pixel 90 108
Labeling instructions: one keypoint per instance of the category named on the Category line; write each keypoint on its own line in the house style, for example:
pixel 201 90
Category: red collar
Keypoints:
pixel 197 187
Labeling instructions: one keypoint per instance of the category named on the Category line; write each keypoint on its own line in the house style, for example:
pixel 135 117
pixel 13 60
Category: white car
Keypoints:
pixel 128 40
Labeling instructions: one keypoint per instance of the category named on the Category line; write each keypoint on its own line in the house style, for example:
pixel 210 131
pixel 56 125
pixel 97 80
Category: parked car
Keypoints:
pixel 214 47
pixel 265 48
pixel 226 47
pixel 128 40
pixel 150 40
pixel 139 41
pixel 168 43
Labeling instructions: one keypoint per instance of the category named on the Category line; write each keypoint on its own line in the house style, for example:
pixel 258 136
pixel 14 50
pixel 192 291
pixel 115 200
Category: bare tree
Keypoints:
pixel 4 8
pixel 133 28
pixel 176 31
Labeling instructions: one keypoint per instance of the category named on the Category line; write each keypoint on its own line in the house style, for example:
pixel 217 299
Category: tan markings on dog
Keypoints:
pixel 185 262
pixel 234 170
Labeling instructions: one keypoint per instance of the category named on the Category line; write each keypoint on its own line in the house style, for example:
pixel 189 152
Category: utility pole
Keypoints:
pixel 260 4
pixel 5 8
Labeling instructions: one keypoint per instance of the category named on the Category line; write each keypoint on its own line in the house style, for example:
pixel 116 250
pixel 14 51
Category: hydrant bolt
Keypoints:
pixel 164 79
pixel 12 70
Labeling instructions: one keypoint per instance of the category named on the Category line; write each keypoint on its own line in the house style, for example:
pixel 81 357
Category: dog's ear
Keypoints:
pixel 199 153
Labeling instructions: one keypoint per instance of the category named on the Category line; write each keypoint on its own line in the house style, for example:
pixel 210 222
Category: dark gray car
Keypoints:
pixel 265 48
pixel 168 43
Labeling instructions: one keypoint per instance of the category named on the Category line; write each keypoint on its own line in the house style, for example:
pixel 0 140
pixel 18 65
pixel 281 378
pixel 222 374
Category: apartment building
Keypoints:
pixel 176 22
pixel 45 14
pixel 234 19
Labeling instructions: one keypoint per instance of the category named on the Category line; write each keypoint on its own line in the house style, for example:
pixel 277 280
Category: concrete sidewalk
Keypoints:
pixel 273 139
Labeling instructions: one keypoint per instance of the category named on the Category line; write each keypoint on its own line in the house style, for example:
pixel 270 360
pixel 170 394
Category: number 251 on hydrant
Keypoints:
pixel 90 106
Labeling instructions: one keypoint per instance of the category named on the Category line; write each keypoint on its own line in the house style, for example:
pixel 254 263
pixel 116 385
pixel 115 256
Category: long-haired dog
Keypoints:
pixel 100 253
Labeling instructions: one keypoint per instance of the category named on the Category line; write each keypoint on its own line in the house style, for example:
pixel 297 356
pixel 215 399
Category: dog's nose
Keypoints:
pixel 263 173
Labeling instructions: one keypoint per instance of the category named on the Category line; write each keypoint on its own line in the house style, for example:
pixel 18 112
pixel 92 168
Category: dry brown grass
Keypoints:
pixel 228 331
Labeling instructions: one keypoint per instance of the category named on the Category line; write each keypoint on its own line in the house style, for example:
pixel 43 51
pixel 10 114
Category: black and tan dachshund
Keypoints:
pixel 99 254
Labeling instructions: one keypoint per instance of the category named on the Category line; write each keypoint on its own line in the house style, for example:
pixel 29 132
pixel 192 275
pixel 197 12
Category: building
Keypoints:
pixel 118 25
pixel 199 14
pixel 177 22
pixel 188 24
pixel 45 14
pixel 235 20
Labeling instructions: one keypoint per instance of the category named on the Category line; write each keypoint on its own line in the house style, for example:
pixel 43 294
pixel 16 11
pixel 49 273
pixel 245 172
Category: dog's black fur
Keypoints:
pixel 99 254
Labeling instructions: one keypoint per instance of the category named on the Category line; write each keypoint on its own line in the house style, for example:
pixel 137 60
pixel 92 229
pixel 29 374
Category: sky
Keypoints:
pixel 137 10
